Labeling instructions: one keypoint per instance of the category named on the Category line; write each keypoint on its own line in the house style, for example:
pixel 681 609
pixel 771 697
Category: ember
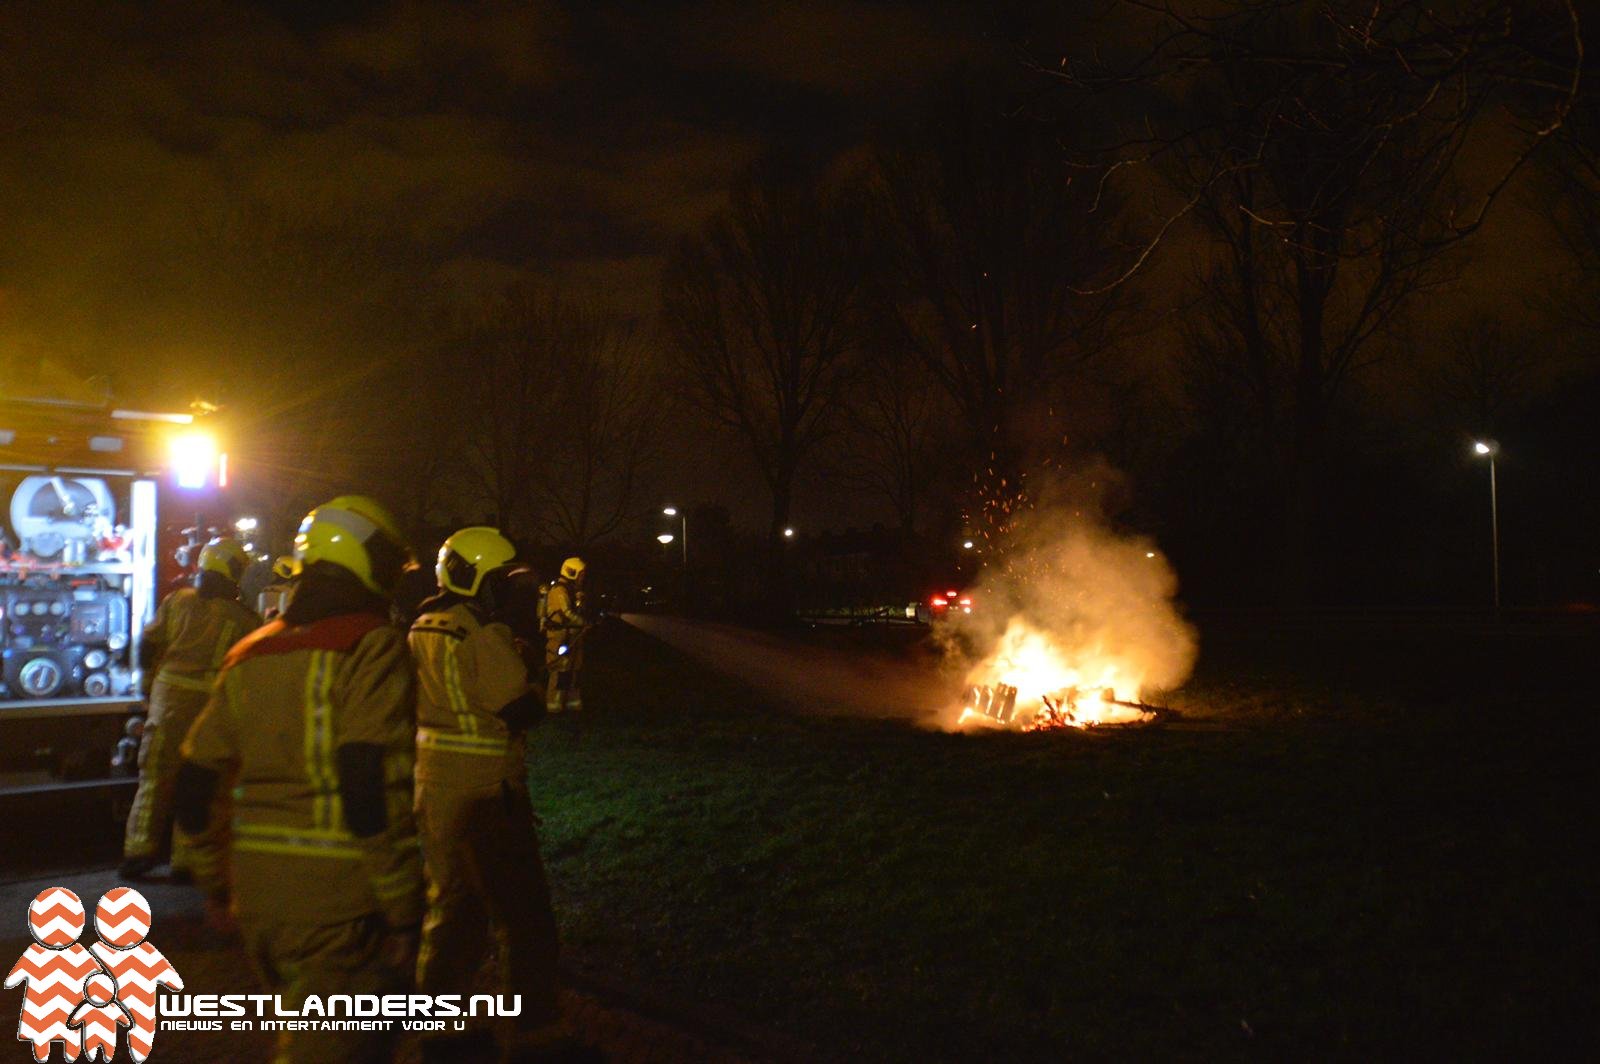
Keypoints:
pixel 1091 630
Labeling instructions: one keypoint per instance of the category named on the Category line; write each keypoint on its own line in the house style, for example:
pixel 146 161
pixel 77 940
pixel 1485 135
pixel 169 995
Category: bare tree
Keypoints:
pixel 992 238
pixel 608 411
pixel 1568 196
pixel 892 443
pixel 506 377
pixel 1486 376
pixel 760 307
pixel 1319 147
pixel 562 414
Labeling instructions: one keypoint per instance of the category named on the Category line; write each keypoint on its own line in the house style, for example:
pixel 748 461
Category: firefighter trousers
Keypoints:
pixel 173 709
pixel 486 882
pixel 296 960
pixel 563 662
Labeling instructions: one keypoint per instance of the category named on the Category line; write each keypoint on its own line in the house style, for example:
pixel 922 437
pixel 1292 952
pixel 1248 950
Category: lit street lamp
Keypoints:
pixel 683 532
pixel 683 541
pixel 788 533
pixel 1488 449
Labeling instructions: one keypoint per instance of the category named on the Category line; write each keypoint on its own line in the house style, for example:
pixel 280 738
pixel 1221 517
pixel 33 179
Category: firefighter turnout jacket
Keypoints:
pixel 472 696
pixel 320 833
pixel 486 882
pixel 190 635
pixel 181 650
pixel 563 627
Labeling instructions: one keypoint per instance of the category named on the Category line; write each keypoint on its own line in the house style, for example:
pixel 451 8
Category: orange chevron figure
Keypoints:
pixel 123 920
pixel 55 969
pixel 99 1017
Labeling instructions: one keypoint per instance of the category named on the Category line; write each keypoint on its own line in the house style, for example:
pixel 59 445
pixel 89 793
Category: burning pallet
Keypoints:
pixel 1072 707
pixel 996 702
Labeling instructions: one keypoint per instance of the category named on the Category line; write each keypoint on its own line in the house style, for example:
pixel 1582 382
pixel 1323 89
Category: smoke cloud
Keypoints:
pixel 1074 602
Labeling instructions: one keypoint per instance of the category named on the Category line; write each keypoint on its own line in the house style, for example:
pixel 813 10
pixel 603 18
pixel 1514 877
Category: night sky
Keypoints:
pixel 243 201
pixel 485 141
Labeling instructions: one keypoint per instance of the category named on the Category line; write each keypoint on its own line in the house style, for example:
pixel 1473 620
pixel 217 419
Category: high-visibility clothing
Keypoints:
pixel 287 700
pixel 564 629
pixel 190 635
pixel 184 645
pixel 486 884
pixel 295 960
pixel 173 710
pixel 468 669
pixel 563 609
pixel 485 879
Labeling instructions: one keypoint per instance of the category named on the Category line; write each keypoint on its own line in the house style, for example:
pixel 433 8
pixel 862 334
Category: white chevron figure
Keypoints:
pixel 55 968
pixel 99 1017
pixel 123 919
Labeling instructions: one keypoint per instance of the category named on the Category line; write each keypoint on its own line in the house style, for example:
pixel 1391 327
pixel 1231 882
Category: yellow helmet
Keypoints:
pixel 224 556
pixel 469 555
pixel 285 568
pixel 358 535
pixel 572 568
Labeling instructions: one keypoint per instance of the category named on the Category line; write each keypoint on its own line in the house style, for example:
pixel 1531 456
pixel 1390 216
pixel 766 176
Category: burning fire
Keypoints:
pixel 1032 681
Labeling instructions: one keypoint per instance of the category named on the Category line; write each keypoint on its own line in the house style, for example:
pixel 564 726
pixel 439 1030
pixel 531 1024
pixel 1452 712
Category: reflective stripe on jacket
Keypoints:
pixel 191 634
pixel 287 700
pixel 467 671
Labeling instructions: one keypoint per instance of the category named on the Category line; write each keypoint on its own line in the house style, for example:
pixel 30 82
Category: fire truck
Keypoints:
pixel 86 551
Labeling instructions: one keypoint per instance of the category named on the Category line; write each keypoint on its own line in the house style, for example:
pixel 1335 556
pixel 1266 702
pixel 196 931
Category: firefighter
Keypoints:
pixel 309 742
pixel 179 654
pixel 273 599
pixel 564 626
pixel 485 877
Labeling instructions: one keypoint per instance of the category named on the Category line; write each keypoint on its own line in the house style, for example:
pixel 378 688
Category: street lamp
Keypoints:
pixel 683 542
pixel 967 544
pixel 683 532
pixel 788 533
pixel 665 538
pixel 1489 449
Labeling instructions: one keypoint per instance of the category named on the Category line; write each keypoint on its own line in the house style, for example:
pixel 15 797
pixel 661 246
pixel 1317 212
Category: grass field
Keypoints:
pixel 1374 843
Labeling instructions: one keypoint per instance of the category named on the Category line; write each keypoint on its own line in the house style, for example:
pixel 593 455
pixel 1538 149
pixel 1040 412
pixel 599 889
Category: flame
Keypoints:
pixel 1057 687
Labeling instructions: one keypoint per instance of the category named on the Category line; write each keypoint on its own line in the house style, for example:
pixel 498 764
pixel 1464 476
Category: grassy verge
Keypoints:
pixel 1330 878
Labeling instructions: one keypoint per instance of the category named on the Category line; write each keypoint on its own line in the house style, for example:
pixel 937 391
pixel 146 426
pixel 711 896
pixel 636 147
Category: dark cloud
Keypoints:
pixel 144 147
pixel 844 48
